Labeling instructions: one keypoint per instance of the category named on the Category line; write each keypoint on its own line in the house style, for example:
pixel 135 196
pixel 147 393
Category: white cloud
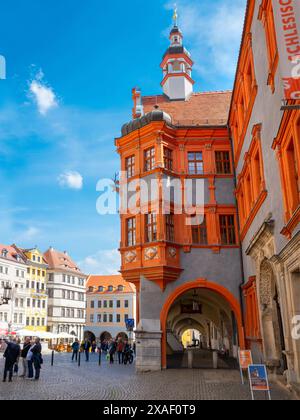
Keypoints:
pixel 71 179
pixel 43 95
pixel 29 234
pixel 104 262
pixel 212 32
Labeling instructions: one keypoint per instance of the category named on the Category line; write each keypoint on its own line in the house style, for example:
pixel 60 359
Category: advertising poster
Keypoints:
pixel 258 378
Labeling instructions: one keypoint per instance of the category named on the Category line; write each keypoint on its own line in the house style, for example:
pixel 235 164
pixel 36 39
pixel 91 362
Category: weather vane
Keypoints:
pixel 175 16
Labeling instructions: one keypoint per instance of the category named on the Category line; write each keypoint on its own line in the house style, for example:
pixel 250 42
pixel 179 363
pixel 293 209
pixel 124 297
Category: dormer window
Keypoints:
pixel 110 288
pixel 4 253
pixel 100 289
pixel 120 288
pixel 91 289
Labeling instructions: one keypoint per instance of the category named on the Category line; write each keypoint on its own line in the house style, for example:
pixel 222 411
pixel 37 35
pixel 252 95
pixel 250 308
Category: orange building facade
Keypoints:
pixel 172 244
pixel 266 139
pixel 239 263
pixel 110 303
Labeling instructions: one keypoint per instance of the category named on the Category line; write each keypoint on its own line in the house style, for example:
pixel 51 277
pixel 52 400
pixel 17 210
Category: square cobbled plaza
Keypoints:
pixel 67 381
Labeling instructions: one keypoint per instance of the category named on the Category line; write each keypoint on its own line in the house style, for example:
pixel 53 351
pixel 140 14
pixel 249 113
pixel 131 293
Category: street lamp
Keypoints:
pixel 7 295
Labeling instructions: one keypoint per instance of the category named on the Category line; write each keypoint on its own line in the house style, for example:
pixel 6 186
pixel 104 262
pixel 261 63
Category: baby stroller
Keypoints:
pixel 128 356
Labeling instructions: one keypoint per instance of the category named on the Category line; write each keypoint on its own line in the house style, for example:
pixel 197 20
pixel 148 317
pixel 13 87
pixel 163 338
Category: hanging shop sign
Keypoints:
pixel 287 25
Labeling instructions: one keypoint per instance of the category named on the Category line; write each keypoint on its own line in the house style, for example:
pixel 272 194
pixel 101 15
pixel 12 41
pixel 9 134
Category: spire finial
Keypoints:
pixel 175 15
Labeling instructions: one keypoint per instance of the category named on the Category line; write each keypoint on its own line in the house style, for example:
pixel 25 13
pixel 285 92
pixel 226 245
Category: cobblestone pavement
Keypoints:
pixel 67 381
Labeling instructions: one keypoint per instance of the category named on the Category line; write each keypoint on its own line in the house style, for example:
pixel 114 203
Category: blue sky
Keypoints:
pixel 70 69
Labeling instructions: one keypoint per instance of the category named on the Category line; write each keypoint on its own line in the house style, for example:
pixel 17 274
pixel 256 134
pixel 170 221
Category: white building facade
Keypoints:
pixel 13 273
pixel 66 286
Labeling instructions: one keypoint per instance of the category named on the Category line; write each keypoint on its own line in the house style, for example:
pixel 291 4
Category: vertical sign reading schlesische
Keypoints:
pixel 287 24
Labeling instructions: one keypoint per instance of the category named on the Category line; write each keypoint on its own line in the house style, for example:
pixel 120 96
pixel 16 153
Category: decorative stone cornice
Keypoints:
pixel 264 234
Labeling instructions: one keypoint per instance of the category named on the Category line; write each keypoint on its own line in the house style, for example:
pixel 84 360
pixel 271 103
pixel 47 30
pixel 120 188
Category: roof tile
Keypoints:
pixel 207 108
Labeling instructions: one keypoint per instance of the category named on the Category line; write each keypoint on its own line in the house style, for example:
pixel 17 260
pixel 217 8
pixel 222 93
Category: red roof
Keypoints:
pixel 106 281
pixel 12 253
pixel 60 261
pixel 207 108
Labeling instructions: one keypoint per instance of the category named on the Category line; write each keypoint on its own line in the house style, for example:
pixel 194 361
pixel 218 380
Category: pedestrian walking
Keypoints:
pixel 86 348
pixel 75 349
pixel 11 355
pixel 120 350
pixel 111 351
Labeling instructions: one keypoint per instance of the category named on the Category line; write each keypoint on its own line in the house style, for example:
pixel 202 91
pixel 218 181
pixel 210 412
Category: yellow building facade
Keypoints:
pixel 36 285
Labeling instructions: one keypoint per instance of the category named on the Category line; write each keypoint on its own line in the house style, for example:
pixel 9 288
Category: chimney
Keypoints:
pixel 138 109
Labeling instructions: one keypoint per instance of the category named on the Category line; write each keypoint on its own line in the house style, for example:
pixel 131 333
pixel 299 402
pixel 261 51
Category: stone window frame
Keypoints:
pixel 266 16
pixel 251 189
pixel 289 131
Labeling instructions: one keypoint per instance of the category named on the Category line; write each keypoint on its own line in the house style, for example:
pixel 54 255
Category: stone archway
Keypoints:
pixel 90 336
pixel 123 336
pixel 105 336
pixel 205 285
pixel 271 319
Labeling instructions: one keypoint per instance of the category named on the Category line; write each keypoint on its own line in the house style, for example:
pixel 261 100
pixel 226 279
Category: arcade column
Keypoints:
pixel 148 345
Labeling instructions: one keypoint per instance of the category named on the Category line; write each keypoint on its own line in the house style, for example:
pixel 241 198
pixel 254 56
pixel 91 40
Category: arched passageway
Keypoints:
pixel 123 336
pixel 90 336
pixel 105 336
pixel 209 309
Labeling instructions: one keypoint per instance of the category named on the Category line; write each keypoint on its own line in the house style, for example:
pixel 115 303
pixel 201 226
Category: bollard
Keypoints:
pixel 79 359
pixel 52 358
pixel 215 359
pixel 190 359
pixel 100 355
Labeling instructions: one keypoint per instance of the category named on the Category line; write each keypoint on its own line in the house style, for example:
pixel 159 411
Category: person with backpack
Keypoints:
pixel 75 349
